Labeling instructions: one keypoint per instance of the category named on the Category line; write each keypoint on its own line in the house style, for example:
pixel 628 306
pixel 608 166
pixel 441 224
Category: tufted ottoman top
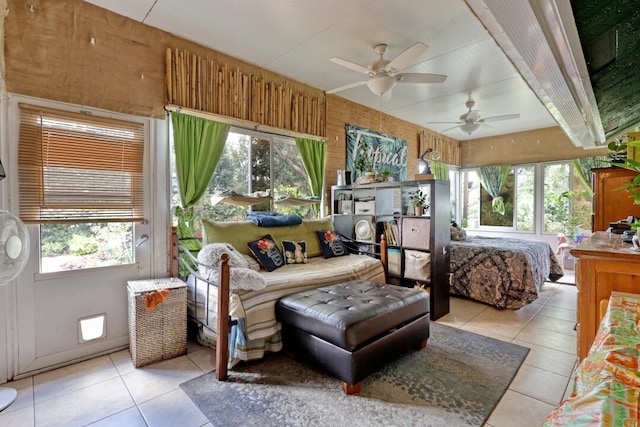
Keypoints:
pixel 352 313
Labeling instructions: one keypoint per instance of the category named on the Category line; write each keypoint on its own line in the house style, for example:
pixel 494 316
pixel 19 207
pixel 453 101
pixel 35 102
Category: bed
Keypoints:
pixel 250 309
pixel 502 272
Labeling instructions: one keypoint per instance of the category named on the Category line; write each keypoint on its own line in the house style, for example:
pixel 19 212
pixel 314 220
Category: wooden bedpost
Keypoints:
pixel 384 256
pixel 173 252
pixel 222 341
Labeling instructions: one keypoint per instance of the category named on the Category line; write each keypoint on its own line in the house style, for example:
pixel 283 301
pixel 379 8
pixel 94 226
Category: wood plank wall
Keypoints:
pixel 540 145
pixel 73 51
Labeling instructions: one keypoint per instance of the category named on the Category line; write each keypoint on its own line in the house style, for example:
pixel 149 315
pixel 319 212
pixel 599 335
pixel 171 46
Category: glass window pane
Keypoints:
pixel 85 245
pixel 251 163
pixel 290 177
pixel 525 205
pixel 496 219
pixel 232 173
pixel 556 207
pixel 581 204
pixel 470 203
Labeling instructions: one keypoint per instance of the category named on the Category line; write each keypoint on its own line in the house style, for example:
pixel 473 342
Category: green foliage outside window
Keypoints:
pixel 245 167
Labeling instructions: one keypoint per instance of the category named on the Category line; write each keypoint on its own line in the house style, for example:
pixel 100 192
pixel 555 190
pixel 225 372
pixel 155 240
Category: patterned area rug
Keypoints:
pixel 457 380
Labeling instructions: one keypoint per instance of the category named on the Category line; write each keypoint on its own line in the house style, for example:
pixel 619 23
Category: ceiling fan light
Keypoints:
pixel 380 85
pixel 469 128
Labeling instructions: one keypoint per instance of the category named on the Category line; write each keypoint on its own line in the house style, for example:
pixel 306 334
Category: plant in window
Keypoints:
pixel 570 222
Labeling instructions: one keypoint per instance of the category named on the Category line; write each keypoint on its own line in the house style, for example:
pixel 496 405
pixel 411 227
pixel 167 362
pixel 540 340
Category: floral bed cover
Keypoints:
pixel 503 272
pixel 607 382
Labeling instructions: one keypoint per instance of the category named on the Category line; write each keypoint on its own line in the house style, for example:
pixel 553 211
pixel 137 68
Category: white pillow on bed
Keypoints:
pixel 239 278
pixel 251 261
pixel 240 275
pixel 210 255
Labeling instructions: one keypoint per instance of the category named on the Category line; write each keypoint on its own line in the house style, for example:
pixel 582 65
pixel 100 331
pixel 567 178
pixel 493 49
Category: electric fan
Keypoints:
pixel 14 251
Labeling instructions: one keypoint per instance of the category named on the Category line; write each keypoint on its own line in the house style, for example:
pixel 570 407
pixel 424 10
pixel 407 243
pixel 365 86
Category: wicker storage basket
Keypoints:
pixel 160 333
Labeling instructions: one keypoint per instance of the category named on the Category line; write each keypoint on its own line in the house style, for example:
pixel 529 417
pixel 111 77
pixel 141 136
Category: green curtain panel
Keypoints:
pixel 492 179
pixel 312 153
pixel 198 144
pixel 440 170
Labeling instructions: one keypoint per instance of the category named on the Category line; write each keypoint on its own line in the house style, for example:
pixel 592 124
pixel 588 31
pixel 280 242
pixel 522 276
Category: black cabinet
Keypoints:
pixel 418 250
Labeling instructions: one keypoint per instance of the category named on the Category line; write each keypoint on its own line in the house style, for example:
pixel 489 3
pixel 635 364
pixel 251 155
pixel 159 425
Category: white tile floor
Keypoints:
pixel 109 391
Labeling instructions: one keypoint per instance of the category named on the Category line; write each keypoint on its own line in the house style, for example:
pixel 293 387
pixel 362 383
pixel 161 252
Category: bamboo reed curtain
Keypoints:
pixel 201 84
pixel 79 168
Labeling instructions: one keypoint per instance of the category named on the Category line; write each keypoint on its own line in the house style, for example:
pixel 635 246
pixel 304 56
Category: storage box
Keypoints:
pixel 417 265
pixel 394 259
pixel 365 207
pixel 157 332
pixel 416 233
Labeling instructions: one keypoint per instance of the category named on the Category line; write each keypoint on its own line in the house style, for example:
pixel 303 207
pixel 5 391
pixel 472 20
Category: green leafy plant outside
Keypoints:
pixel 632 186
pixel 82 245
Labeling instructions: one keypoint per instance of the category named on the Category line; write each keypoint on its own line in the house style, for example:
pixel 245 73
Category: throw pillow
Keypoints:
pixel 266 252
pixel 294 252
pixel 331 244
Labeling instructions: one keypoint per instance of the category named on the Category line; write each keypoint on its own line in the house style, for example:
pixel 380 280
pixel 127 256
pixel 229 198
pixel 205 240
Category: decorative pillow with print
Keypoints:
pixel 267 252
pixel 294 252
pixel 331 244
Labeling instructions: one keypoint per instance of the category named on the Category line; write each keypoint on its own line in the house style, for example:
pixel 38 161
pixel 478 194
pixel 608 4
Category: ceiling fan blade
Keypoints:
pixel 443 123
pixel 448 129
pixel 345 87
pixel 420 78
pixel 406 57
pixel 499 118
pixel 351 65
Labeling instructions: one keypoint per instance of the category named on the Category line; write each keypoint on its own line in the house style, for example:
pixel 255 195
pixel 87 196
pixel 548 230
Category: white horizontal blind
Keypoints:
pixel 79 168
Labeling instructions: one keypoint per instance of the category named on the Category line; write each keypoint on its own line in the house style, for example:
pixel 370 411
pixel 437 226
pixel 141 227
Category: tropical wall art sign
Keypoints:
pixel 368 150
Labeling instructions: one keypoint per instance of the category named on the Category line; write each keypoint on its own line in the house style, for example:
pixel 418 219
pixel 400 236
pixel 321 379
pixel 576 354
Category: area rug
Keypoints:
pixel 457 380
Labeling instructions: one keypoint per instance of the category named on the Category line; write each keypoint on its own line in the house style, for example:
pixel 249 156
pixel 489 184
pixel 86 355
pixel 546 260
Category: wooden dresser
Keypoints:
pixel 609 204
pixel 604 264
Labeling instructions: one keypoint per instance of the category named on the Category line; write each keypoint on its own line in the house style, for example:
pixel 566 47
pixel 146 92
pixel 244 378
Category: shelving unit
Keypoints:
pixel 354 207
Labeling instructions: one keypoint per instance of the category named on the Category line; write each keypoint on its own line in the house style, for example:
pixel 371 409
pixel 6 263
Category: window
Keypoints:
pixel 81 179
pixel 518 195
pixel 566 204
pixel 252 162
pixel 567 200
pixel 525 197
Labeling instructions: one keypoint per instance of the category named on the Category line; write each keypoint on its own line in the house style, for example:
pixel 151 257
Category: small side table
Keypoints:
pixel 157 320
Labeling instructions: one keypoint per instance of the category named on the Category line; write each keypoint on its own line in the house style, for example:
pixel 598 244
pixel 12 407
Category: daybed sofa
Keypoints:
pixel 254 328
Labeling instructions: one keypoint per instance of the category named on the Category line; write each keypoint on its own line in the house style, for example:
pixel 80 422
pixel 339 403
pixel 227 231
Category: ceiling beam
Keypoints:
pixel 541 40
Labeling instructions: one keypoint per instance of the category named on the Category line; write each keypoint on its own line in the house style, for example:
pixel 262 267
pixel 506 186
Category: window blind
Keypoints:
pixel 79 168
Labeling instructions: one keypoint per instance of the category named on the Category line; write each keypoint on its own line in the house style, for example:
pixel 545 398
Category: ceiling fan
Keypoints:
pixel 384 74
pixel 471 120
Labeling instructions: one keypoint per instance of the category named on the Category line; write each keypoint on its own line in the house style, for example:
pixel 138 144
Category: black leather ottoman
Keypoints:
pixel 353 328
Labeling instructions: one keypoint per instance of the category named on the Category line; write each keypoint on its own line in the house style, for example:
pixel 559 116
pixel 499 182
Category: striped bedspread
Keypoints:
pixel 256 309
